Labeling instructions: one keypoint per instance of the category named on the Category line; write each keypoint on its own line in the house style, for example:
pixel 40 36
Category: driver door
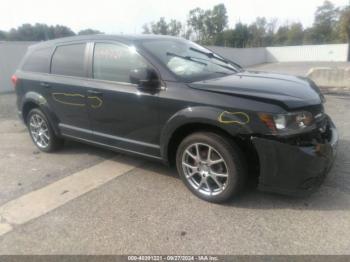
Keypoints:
pixel 121 115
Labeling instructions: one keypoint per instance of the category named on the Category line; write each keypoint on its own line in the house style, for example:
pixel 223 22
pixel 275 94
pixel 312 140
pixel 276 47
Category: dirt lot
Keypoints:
pixel 145 209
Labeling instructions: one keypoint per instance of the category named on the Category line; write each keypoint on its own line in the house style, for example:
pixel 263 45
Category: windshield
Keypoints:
pixel 189 61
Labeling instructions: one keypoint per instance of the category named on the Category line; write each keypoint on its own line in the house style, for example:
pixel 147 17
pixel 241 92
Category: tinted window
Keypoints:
pixel 69 60
pixel 114 61
pixel 38 61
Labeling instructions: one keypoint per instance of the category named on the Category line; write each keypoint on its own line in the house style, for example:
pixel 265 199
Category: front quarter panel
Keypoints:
pixel 180 104
pixel 234 123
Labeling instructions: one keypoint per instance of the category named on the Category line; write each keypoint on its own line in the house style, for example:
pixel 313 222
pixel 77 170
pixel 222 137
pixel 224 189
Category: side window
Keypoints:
pixel 69 60
pixel 38 61
pixel 114 61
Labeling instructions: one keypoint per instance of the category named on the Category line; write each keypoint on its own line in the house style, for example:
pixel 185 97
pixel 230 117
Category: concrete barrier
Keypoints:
pixel 333 79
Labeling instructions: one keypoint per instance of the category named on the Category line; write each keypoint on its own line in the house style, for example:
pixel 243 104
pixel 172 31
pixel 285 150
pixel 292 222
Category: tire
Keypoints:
pixel 41 132
pixel 205 175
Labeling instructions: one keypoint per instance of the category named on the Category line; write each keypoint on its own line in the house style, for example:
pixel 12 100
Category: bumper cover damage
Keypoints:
pixel 293 169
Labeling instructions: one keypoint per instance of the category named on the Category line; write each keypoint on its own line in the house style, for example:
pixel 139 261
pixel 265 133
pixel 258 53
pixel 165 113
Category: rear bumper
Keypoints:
pixel 294 170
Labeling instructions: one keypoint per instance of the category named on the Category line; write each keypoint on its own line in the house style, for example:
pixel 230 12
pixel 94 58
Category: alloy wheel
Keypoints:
pixel 39 130
pixel 205 169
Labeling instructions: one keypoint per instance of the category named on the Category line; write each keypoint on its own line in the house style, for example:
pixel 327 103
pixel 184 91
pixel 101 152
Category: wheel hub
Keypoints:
pixel 204 169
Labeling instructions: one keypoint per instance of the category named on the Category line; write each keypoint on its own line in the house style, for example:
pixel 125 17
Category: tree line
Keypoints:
pixel 41 32
pixel 210 27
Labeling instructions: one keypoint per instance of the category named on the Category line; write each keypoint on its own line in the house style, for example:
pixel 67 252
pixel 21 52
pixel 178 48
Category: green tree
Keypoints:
pixel 3 35
pixel 28 32
pixel 257 32
pixel 219 18
pixel 196 23
pixel 241 35
pixel 146 29
pixel 161 27
pixel 89 31
pixel 281 36
pixel 208 25
pixel 174 27
pixel 326 18
pixel 295 34
pixel 38 32
pixel 345 26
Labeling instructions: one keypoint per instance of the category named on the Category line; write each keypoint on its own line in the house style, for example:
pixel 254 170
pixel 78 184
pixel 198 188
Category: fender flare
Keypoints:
pixel 232 122
pixel 42 104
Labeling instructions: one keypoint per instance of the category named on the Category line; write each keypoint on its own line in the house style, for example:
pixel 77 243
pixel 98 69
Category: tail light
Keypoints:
pixel 14 80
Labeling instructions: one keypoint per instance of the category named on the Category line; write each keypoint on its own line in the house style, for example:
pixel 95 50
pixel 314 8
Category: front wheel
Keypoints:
pixel 211 166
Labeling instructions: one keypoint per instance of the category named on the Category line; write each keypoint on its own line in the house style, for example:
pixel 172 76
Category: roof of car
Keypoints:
pixel 123 38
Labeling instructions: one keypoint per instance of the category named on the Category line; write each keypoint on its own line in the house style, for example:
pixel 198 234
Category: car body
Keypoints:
pixel 145 94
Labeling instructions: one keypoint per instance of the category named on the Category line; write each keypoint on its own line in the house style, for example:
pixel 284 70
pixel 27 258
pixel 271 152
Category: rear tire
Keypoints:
pixel 41 132
pixel 211 166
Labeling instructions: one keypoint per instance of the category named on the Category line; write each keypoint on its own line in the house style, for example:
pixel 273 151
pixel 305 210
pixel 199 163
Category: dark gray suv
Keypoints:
pixel 172 100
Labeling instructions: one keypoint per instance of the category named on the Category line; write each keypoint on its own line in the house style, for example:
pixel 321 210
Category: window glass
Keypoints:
pixel 114 61
pixel 38 61
pixel 189 61
pixel 69 60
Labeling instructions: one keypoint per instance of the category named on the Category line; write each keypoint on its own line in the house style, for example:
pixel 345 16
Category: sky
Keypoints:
pixel 128 16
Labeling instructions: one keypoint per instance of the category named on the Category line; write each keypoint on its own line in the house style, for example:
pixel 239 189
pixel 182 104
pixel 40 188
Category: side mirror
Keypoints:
pixel 145 78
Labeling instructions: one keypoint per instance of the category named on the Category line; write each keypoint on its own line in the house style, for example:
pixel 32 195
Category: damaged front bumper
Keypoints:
pixel 294 169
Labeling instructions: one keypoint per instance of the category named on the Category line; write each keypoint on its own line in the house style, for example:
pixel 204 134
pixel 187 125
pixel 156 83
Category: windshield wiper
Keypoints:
pixel 186 58
pixel 213 55
pixel 224 66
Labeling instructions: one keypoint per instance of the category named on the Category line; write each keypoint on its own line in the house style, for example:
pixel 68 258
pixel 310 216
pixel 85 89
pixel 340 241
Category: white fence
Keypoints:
pixel 242 56
pixel 309 53
pixel 306 53
pixel 11 54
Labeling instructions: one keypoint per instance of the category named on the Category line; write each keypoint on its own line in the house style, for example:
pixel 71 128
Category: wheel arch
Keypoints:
pixel 191 120
pixel 35 100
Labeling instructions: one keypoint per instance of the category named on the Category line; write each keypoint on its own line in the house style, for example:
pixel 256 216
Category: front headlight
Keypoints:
pixel 287 123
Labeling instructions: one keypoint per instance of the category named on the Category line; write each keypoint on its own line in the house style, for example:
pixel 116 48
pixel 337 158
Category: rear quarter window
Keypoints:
pixel 38 61
pixel 69 60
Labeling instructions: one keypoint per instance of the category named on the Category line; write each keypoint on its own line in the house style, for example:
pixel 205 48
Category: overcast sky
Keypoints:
pixel 128 16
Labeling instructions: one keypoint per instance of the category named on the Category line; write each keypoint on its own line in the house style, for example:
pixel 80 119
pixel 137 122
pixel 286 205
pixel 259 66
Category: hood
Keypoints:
pixel 287 91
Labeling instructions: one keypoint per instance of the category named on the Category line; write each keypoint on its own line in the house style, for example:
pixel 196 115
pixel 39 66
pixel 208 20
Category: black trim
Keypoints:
pixel 112 147
pixel 110 136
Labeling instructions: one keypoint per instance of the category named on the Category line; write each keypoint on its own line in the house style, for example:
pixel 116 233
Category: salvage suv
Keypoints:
pixel 172 100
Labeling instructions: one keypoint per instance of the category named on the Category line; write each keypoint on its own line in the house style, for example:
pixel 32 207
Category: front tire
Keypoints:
pixel 211 166
pixel 41 132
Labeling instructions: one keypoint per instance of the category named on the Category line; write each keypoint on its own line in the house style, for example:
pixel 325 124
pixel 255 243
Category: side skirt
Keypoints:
pixel 114 148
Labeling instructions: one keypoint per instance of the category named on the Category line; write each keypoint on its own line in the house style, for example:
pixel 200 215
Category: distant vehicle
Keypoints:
pixel 172 100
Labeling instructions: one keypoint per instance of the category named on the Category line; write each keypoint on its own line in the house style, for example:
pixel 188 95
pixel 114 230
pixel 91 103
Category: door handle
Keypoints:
pixel 43 84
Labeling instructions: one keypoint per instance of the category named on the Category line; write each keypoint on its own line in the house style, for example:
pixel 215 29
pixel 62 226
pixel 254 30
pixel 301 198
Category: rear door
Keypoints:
pixel 121 114
pixel 68 88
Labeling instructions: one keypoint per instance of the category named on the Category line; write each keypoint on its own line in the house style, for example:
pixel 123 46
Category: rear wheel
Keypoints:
pixel 41 131
pixel 211 166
